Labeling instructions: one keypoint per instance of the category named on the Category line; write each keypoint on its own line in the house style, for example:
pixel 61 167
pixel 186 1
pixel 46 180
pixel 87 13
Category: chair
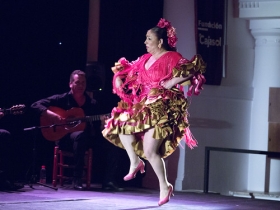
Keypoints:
pixel 59 165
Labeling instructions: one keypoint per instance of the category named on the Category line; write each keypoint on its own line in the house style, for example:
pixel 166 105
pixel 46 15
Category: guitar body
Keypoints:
pixel 56 132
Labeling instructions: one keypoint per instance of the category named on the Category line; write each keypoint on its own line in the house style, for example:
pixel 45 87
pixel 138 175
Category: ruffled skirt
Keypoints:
pixel 167 115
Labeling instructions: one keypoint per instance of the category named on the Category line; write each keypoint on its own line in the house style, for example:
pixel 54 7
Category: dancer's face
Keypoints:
pixel 152 42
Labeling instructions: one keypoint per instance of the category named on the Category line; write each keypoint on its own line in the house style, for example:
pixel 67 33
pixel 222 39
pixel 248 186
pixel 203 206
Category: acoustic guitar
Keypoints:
pixel 14 110
pixel 75 120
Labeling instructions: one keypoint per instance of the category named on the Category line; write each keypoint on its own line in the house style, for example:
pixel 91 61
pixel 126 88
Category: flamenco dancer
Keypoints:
pixel 151 118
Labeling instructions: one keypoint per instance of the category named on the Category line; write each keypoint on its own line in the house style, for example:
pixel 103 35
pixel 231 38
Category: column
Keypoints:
pixel 93 30
pixel 266 75
pixel 264 23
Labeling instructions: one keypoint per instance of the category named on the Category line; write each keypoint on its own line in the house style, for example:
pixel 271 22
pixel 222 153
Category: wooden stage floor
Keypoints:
pixel 43 198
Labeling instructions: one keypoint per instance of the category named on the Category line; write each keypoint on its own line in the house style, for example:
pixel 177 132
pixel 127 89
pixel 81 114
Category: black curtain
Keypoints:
pixel 123 28
pixel 42 42
pixel 122 32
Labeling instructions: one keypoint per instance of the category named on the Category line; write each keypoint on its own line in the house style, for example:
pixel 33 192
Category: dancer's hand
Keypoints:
pixel 103 119
pixel 174 81
pixel 118 82
pixel 167 84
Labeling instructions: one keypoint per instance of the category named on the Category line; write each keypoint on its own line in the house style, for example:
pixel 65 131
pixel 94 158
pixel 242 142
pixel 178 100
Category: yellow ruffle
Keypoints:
pixel 197 65
pixel 118 67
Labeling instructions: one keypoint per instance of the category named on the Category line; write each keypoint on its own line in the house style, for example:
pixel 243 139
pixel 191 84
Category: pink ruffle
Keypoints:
pixel 196 84
pixel 189 138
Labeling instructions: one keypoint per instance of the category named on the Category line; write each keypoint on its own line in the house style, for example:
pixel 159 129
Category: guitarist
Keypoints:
pixel 6 163
pixel 78 141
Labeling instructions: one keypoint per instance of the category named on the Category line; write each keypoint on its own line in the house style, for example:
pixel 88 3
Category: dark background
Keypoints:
pixel 34 65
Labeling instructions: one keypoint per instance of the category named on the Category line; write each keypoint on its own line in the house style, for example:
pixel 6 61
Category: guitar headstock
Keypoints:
pixel 16 109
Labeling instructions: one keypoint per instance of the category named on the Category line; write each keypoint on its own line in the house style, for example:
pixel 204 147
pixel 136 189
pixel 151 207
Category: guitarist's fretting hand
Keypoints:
pixel 54 118
pixel 103 119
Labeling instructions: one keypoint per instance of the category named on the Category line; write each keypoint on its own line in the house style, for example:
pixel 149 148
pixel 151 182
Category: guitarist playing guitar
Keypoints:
pixel 57 109
pixel 6 150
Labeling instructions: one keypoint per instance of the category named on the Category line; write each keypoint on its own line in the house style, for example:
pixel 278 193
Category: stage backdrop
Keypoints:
pixel 41 43
pixel 210 37
pixel 122 32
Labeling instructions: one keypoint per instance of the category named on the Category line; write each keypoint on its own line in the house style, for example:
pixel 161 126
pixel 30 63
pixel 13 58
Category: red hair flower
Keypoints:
pixel 171 34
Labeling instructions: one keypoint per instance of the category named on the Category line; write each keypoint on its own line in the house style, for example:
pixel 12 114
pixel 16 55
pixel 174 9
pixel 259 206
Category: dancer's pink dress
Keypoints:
pixel 146 104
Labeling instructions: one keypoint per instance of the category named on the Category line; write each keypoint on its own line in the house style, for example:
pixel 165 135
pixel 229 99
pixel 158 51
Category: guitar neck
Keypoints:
pixel 89 118
pixel 17 109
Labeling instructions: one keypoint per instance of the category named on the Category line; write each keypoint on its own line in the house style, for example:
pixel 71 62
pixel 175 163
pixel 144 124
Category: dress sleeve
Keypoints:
pixel 194 68
pixel 122 64
pixel 43 104
pixel 127 72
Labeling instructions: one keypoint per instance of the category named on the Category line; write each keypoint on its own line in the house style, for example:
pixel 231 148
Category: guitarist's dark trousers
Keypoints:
pixel 77 142
pixel 5 155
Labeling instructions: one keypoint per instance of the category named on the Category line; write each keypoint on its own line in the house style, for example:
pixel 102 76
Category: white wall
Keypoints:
pixel 220 115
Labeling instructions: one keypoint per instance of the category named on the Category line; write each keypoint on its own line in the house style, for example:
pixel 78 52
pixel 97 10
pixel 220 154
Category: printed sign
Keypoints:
pixel 210 29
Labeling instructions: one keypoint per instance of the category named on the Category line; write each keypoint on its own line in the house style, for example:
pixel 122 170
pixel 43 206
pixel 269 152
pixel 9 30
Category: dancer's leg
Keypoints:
pixel 151 147
pixel 127 141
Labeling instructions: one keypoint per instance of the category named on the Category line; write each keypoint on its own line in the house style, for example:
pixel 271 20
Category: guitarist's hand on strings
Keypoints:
pixel 54 118
pixel 103 119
